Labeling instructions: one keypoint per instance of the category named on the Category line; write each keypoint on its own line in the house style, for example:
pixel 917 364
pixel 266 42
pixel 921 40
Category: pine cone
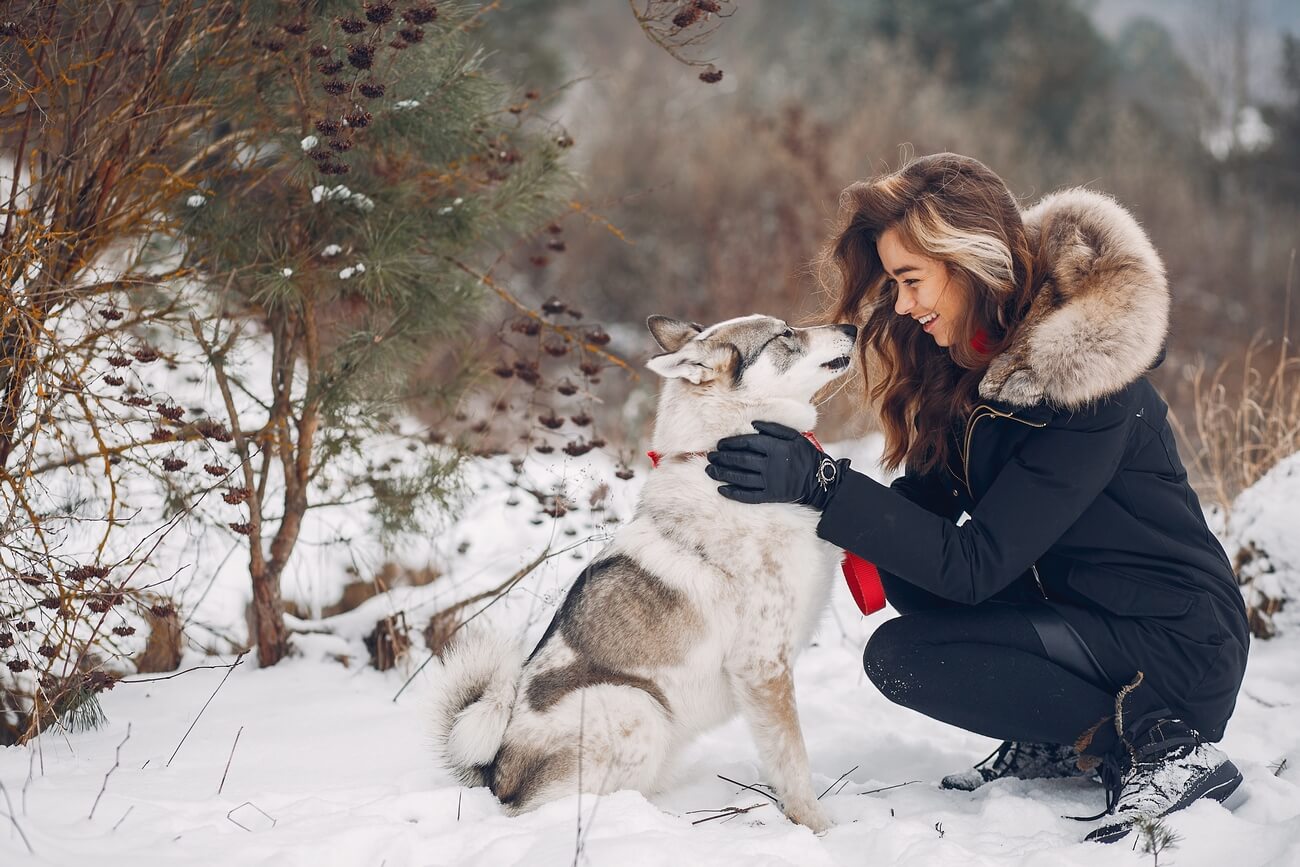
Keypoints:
pixel 378 13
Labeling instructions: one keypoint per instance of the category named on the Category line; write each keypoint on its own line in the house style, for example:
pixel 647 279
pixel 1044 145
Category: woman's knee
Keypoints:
pixel 887 656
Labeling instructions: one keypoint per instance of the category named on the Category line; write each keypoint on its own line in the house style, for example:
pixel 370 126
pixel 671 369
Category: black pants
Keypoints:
pixel 986 668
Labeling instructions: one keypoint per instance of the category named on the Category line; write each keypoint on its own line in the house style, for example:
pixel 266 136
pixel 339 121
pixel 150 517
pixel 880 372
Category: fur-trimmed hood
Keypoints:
pixel 1101 316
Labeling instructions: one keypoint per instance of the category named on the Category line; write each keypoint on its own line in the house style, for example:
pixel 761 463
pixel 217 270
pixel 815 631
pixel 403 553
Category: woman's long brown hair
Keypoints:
pixel 956 210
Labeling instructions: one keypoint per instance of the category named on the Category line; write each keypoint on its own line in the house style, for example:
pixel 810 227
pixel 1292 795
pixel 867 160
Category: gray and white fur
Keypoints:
pixel 694 611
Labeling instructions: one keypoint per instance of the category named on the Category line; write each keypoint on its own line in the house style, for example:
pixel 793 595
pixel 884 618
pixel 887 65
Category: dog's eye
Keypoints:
pixel 789 332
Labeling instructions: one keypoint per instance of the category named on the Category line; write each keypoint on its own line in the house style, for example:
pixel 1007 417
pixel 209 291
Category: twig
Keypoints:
pixel 12 818
pixel 230 816
pixel 232 755
pixel 841 776
pixel 460 794
pixel 582 718
pixel 117 760
pixel 202 709
pixel 751 788
pixel 31 767
pixel 124 815
pixel 177 673
pixel 725 812
pixel 887 788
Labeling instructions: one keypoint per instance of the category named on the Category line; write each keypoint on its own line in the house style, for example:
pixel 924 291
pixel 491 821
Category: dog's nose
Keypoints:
pixel 850 330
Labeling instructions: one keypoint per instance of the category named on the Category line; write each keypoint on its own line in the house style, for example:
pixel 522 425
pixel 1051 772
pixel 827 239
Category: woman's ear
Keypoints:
pixel 671 334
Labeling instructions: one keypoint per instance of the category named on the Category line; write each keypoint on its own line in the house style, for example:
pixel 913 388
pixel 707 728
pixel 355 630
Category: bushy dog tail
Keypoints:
pixel 474 690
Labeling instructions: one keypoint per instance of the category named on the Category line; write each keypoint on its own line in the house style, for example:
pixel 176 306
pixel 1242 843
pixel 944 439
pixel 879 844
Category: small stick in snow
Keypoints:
pixel 1278 767
pixel 841 777
pixel 14 819
pixel 751 788
pixel 232 755
pixel 124 815
pixel 724 813
pixel 31 767
pixel 205 707
pixel 459 795
pixel 230 817
pixel 117 760
pixel 176 673
pixel 887 788
pixel 938 826
pixel 582 718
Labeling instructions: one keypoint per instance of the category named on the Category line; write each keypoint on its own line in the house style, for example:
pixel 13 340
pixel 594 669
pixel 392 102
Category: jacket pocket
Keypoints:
pixel 1127 595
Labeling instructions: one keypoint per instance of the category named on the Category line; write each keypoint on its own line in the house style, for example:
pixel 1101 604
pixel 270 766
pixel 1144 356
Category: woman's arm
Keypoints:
pixel 926 490
pixel 1036 497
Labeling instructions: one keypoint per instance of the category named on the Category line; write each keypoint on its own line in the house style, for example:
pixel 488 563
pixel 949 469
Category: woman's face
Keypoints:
pixel 923 285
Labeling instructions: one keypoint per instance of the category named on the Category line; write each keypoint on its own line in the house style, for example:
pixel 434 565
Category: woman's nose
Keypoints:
pixel 904 303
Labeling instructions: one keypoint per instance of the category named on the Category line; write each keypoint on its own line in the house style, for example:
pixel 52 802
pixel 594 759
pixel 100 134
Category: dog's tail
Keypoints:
pixel 474 691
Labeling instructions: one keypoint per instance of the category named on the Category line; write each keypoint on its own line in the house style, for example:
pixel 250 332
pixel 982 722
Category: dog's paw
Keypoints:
pixel 809 815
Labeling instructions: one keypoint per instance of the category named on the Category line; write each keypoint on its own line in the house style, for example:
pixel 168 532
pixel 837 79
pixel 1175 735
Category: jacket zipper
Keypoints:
pixel 970 429
pixel 965 461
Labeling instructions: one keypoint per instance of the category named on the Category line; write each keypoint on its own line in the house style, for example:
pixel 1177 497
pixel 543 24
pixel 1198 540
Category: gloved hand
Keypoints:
pixel 776 465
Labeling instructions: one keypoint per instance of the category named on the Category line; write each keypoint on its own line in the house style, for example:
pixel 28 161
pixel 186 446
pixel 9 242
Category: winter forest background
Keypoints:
pixel 322 332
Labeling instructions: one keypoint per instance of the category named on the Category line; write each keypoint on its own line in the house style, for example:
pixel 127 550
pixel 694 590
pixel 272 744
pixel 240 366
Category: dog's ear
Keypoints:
pixel 698 362
pixel 671 334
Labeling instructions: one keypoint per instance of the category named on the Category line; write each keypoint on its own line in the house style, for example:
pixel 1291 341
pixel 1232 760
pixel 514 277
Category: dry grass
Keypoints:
pixel 1245 418
pixel 1245 415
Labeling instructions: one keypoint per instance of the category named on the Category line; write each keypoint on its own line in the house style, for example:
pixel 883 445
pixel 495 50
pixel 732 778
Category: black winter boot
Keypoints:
pixel 1020 760
pixel 1160 765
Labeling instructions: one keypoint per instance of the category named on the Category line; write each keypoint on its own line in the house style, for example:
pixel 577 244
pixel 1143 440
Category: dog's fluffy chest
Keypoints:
pixel 750 568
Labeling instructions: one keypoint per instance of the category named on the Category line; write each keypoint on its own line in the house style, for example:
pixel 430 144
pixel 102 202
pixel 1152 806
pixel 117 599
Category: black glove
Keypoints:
pixel 776 465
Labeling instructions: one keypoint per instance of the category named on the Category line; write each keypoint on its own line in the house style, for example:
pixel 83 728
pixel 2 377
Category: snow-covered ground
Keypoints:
pixel 312 762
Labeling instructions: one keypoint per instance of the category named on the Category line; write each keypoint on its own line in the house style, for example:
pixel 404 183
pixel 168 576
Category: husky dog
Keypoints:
pixel 693 612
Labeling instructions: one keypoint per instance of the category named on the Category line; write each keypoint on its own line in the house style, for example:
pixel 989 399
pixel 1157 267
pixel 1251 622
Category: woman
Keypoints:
pixel 1058 586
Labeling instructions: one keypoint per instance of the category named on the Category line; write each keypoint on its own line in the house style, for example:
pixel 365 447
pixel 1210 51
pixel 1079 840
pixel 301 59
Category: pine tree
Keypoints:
pixel 363 163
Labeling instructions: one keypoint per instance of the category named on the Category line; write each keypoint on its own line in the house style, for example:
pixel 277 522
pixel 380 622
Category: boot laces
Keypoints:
pixel 1000 759
pixel 1112 771
pixel 1127 764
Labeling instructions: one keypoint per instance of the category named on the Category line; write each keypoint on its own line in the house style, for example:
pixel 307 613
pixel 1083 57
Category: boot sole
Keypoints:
pixel 1218 784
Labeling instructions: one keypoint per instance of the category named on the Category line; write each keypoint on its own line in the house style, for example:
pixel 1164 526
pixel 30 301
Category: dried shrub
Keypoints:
pixel 388 642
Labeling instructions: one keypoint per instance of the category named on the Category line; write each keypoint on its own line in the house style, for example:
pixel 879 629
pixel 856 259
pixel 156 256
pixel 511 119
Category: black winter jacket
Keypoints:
pixel 1067 466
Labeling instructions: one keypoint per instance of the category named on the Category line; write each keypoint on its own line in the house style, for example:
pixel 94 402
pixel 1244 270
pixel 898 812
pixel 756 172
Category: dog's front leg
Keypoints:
pixel 765 693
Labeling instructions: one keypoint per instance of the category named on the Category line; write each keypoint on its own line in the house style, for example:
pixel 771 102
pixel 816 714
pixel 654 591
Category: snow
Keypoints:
pixel 341 192
pixel 1267 534
pixel 329 769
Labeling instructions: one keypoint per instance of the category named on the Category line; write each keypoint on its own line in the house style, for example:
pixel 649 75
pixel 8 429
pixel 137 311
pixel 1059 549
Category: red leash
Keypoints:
pixel 861 576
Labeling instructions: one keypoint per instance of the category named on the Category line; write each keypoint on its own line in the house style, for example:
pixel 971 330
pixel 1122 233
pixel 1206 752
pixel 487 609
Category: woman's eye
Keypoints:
pixel 912 281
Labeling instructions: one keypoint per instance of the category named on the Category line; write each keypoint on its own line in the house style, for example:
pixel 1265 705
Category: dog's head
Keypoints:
pixel 758 355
